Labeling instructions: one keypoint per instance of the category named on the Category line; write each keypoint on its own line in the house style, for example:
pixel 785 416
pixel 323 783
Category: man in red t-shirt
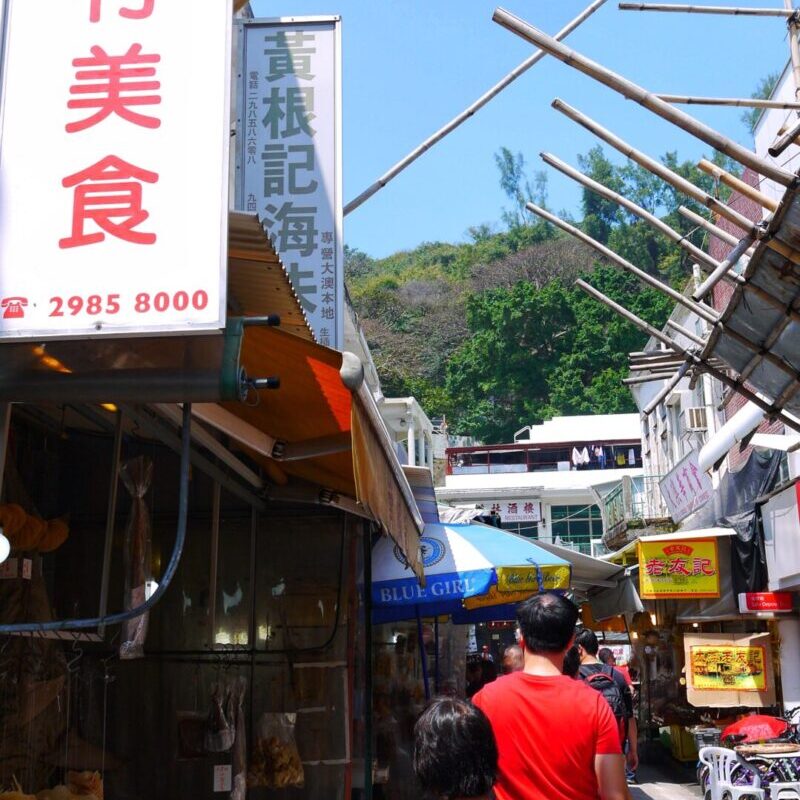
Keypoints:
pixel 556 737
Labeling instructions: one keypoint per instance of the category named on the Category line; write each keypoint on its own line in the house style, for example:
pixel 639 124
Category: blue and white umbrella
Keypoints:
pixel 462 561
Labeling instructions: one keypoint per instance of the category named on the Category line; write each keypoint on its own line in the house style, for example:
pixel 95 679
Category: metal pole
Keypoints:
pixel 5 424
pixel 216 496
pixel 741 102
pixel 656 167
pixel 468 112
pixel 723 269
pixel 702 311
pixel 737 184
pixel 689 9
pixel 366 539
pixel 696 360
pixel 652 219
pixel 639 95
pixel 423 656
pixel 111 517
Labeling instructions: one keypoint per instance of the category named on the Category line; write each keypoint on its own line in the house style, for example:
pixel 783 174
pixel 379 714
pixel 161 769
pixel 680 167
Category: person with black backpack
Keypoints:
pixel 612 685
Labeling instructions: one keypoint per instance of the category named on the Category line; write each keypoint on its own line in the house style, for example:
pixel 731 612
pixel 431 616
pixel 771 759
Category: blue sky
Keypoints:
pixel 411 65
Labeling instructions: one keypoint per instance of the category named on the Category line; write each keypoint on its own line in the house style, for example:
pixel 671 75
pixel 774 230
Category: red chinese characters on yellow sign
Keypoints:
pixel 109 194
pixel 688 569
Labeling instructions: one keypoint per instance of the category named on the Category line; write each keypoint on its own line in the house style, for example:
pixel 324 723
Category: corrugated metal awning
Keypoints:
pixel 759 332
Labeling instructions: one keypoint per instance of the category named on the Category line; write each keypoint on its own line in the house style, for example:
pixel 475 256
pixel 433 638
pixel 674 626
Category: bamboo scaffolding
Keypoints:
pixel 702 311
pixel 696 360
pixel 652 219
pixel 788 310
pixel 794 48
pixel 737 184
pixel 692 337
pixel 644 98
pixel 680 183
pixel 689 9
pixel 740 102
pixel 782 142
pixel 656 167
pixel 723 269
pixel 667 388
pixel 660 376
pixel 709 226
pixel 468 112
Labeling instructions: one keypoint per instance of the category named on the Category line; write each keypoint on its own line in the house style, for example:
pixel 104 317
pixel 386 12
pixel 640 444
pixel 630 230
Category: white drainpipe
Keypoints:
pixel 743 423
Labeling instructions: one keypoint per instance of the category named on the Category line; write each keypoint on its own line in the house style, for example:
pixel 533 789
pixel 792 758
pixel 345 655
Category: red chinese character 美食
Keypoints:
pixel 130 13
pixel 115 83
pixel 109 194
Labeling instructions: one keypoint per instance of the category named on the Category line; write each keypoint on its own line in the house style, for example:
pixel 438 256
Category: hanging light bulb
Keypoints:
pixel 5 547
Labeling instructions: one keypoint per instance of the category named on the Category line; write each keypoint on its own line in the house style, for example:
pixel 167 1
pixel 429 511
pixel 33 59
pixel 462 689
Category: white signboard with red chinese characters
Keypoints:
pixel 114 167
pixel 518 510
pixel 289 148
pixel 686 488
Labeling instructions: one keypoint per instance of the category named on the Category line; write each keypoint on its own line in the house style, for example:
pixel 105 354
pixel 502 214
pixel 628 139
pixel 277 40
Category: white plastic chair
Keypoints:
pixel 721 764
pixel 789 790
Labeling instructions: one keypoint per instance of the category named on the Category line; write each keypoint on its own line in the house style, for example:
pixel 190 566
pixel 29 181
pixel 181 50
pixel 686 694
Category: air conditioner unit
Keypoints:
pixel 694 419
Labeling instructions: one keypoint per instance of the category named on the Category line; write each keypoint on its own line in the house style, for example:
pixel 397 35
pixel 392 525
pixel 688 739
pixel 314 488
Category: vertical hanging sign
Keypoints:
pixel 289 156
pixel 114 142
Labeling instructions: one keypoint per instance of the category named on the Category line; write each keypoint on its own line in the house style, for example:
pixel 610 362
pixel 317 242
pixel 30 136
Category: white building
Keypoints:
pixel 548 483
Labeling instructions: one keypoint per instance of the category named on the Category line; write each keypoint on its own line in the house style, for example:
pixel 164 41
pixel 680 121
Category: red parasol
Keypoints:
pixel 756 728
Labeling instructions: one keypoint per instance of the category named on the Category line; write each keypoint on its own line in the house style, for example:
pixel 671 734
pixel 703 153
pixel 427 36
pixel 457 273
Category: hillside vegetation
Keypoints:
pixel 493 334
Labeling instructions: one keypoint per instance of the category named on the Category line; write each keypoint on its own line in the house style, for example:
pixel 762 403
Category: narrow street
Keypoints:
pixel 665 782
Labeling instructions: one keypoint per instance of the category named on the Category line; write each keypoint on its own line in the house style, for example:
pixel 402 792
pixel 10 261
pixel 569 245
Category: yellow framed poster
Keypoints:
pixel 687 568
pixel 728 668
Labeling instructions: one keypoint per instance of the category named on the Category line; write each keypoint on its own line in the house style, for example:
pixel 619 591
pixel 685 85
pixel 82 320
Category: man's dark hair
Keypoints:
pixel 588 641
pixel 606 656
pixel 572 662
pixel 547 622
pixel 455 754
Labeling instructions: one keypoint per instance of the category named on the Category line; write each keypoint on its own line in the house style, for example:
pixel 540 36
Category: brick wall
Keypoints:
pixel 723 292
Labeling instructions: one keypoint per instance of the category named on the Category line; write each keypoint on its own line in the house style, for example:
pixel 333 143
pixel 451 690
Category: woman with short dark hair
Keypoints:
pixel 455 754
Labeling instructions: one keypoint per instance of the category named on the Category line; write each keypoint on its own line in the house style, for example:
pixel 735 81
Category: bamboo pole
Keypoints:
pixel 702 311
pixel 656 376
pixel 692 337
pixel 737 184
pixel 695 360
pixel 436 137
pixel 709 226
pixel 656 167
pixel 667 388
pixel 689 9
pixel 723 269
pixel 740 102
pixel 794 47
pixel 639 95
pixel 782 142
pixel 652 219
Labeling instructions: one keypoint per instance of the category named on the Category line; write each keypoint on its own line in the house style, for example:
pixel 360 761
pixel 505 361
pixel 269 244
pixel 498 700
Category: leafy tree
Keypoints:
pixel 763 91
pixel 518 188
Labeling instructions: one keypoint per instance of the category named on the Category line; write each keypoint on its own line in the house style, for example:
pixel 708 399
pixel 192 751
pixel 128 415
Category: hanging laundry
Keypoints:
pixel 585 456
pixel 631 457
pixel 577 458
pixel 600 455
pixel 620 458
